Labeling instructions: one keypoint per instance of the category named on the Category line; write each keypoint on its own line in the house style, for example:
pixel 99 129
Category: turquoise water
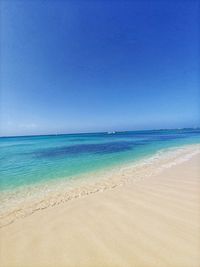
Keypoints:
pixel 34 159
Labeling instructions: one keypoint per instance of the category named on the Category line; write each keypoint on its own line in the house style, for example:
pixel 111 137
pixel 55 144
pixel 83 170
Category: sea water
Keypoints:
pixel 31 160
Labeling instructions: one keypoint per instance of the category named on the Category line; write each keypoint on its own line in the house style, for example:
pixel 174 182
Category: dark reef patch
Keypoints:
pixel 74 150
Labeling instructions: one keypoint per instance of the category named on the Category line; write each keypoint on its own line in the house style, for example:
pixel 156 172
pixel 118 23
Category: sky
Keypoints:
pixel 90 66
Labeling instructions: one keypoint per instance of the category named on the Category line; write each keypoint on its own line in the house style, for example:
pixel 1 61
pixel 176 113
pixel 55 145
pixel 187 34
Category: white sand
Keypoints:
pixel 147 222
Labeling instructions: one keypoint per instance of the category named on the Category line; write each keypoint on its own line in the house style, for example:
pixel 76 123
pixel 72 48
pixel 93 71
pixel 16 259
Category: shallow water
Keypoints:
pixel 30 160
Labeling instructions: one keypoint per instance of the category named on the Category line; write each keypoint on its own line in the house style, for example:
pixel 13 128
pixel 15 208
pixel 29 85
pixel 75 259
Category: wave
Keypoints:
pixel 29 199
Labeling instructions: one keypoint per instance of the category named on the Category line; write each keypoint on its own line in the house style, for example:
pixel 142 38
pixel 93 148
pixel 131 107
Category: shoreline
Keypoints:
pixel 27 202
pixel 151 222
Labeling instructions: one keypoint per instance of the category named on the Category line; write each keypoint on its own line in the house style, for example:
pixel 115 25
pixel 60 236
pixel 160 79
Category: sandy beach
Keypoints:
pixel 150 222
pixel 99 133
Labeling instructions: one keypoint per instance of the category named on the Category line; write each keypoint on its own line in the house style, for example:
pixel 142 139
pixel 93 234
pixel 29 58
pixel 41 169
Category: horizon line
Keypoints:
pixel 112 132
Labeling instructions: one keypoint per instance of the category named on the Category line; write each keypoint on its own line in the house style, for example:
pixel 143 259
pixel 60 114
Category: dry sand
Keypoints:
pixel 150 222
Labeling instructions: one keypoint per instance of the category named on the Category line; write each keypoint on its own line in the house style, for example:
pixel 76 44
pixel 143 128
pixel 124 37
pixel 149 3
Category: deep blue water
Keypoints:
pixel 32 159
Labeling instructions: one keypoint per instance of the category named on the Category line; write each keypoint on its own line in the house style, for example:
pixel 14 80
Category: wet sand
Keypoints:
pixel 147 222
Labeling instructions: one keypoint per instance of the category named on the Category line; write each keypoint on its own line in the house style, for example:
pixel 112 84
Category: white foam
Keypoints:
pixel 27 200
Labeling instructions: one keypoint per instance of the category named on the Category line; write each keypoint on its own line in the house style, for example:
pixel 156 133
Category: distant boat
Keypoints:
pixel 111 132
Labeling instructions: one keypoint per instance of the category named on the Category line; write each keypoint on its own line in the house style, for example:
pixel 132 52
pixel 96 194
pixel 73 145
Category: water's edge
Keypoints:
pixel 23 203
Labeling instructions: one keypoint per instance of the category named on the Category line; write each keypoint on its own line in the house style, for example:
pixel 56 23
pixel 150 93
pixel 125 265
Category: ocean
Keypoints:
pixel 42 171
pixel 30 160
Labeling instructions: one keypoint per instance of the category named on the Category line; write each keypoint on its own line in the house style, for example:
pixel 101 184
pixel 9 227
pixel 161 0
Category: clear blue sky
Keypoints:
pixel 80 66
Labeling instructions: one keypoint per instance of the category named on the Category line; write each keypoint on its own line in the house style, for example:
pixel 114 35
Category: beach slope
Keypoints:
pixel 145 223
